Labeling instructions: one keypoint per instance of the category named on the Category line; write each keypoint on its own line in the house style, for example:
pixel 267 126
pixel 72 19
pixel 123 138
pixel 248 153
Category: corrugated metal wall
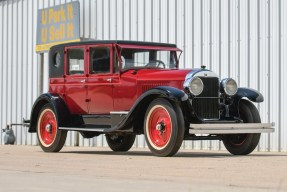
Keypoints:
pixel 242 39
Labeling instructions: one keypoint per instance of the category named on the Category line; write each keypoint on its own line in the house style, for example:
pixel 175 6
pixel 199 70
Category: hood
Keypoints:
pixel 162 75
pixel 149 78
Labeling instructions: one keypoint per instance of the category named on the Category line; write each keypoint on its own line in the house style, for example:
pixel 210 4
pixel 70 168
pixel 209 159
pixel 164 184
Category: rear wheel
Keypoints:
pixel 243 144
pixel 163 127
pixel 50 138
pixel 120 142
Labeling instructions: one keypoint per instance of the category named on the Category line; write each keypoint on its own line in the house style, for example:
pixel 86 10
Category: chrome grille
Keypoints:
pixel 206 105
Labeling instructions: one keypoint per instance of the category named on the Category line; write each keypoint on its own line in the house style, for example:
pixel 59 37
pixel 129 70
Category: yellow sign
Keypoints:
pixel 56 25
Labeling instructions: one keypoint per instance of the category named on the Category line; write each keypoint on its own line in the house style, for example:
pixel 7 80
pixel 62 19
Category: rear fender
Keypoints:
pixel 58 104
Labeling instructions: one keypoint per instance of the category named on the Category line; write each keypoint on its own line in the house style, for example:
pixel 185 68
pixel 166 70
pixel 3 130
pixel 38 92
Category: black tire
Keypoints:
pixel 50 138
pixel 163 127
pixel 243 144
pixel 120 142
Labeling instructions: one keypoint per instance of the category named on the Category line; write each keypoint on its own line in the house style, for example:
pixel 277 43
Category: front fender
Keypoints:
pixel 170 93
pixel 250 94
pixel 58 104
pixel 242 93
pixel 137 112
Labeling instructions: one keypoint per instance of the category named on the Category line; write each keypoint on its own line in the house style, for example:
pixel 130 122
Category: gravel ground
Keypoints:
pixel 27 168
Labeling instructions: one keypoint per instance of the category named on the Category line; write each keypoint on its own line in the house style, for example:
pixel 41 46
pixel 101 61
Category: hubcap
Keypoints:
pixel 159 127
pixel 47 127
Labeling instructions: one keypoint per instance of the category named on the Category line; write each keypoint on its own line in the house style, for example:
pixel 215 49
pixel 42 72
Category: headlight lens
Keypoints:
pixel 195 86
pixel 229 86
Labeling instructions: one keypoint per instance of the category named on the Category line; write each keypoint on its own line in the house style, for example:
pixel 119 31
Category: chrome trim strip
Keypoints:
pixel 201 73
pixel 96 116
pixel 119 112
pixel 231 128
pixel 82 129
pixel 205 74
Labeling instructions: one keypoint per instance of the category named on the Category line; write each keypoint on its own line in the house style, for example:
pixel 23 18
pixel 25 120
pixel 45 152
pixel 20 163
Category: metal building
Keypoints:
pixel 243 39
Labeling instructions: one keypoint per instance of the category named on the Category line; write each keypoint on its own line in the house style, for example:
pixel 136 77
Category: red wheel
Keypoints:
pixel 164 127
pixel 159 127
pixel 50 138
pixel 47 127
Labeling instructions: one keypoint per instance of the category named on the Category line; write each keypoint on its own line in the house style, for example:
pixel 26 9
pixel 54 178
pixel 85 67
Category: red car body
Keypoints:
pixel 125 88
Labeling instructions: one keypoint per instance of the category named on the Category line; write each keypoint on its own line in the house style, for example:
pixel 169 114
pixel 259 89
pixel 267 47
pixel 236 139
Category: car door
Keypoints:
pixel 100 79
pixel 75 80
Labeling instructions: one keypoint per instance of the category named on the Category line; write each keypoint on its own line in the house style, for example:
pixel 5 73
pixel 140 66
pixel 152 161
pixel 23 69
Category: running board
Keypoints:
pixel 231 128
pixel 102 130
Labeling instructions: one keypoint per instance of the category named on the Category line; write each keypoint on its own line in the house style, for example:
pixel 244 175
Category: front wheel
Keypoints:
pixel 50 138
pixel 163 127
pixel 243 144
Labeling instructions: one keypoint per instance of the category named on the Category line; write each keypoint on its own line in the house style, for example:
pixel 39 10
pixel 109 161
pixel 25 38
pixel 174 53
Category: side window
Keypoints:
pixel 100 60
pixel 76 61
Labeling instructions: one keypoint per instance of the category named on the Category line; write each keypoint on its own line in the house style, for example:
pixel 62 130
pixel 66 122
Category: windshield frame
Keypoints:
pixel 120 47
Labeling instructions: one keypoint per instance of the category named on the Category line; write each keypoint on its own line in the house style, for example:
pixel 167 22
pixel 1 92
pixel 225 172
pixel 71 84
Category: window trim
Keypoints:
pixel 110 46
pixel 66 70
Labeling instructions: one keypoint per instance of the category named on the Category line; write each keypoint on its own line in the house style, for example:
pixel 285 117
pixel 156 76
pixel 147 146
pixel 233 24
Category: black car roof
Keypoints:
pixel 144 43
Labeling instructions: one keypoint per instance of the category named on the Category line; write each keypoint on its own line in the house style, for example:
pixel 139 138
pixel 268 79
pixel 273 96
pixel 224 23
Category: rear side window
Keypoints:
pixel 100 60
pixel 76 61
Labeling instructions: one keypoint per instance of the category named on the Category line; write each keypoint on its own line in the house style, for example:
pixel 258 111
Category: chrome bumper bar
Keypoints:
pixel 231 128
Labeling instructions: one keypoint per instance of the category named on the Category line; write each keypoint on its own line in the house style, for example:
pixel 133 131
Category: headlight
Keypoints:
pixel 229 86
pixel 195 86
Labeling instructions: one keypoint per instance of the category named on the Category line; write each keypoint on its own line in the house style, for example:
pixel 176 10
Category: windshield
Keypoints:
pixel 144 58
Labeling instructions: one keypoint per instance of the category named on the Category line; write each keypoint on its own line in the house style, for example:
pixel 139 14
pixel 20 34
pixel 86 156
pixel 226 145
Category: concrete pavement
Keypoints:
pixel 28 168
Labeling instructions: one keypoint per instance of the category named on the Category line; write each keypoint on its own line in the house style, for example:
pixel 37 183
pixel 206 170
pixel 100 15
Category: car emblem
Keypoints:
pixel 205 74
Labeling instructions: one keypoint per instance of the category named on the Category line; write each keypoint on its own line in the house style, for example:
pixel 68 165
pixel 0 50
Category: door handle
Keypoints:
pixel 109 79
pixel 83 81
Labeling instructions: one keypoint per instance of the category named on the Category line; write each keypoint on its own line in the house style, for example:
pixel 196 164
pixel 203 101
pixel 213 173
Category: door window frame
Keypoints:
pixel 67 64
pixel 110 46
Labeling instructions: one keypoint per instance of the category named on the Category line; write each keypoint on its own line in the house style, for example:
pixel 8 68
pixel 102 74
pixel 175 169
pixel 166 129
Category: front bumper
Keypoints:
pixel 231 128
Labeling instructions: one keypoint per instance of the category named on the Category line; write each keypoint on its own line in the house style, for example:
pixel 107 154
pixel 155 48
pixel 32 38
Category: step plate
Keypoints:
pixel 82 129
pixel 231 128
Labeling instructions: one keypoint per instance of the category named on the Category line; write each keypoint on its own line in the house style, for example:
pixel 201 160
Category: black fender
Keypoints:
pixel 60 108
pixel 137 112
pixel 246 94
pixel 250 94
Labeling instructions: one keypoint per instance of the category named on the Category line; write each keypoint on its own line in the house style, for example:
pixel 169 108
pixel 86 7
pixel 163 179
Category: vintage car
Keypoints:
pixel 126 88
